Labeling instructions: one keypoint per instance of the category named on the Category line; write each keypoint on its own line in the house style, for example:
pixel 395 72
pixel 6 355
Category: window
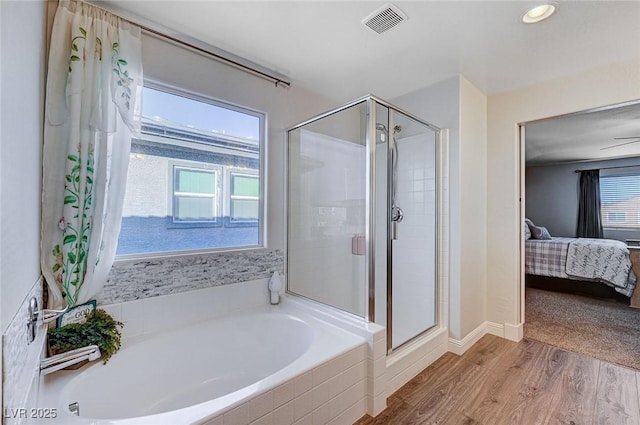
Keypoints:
pixel 620 201
pixel 194 195
pixel 194 179
pixel 244 196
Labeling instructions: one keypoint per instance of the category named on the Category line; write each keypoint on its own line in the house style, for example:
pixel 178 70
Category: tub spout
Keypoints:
pixel 275 285
pixel 62 360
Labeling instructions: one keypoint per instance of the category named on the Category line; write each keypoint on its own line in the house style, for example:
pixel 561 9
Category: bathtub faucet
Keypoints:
pixel 62 360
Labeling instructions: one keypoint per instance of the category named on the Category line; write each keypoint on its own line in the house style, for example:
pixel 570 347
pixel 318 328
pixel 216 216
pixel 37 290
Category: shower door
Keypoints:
pixel 411 250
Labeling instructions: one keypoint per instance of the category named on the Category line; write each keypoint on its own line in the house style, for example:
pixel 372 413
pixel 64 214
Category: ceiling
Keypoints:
pixel 584 136
pixel 324 47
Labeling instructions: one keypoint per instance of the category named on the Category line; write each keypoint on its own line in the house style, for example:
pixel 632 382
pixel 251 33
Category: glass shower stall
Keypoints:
pixel 362 215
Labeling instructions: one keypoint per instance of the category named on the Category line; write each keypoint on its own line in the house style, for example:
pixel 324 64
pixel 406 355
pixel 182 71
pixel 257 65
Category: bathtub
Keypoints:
pixel 273 365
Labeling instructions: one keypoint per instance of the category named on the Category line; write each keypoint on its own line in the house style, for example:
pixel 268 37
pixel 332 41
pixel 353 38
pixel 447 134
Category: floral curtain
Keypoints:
pixel 93 103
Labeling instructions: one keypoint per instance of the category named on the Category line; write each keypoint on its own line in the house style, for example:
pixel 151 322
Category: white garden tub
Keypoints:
pixel 194 374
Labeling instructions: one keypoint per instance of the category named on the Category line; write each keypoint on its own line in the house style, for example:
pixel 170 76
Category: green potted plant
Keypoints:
pixel 100 329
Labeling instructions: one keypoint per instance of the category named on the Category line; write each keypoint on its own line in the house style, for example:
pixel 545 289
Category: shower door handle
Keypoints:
pixel 394 230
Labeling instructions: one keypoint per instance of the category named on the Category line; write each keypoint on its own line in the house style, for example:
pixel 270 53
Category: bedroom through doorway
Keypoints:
pixel 580 238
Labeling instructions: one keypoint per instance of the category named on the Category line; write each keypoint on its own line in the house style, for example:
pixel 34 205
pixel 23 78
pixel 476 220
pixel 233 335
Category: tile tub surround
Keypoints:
pixel 333 393
pixel 20 359
pixel 131 280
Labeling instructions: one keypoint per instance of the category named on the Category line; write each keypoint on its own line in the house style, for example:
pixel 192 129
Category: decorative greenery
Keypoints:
pixel 124 80
pixel 99 329
pixel 71 270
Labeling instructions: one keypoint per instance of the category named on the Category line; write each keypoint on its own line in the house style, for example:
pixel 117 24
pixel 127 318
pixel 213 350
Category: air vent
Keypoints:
pixel 385 18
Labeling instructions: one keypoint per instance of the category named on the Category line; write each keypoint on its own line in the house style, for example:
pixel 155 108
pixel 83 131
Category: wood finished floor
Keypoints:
pixel 499 382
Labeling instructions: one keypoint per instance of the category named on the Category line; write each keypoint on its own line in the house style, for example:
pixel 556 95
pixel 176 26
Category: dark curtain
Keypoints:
pixel 589 218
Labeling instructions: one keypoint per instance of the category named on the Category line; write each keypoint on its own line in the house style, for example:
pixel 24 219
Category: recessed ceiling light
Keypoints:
pixel 539 13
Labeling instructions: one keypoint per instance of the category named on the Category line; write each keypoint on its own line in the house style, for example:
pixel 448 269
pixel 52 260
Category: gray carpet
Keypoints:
pixel 604 329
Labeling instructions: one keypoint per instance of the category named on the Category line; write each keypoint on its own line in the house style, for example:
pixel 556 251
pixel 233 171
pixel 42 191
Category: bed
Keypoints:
pixel 591 260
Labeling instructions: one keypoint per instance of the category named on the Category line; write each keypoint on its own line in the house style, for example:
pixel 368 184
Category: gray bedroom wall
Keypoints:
pixel 551 197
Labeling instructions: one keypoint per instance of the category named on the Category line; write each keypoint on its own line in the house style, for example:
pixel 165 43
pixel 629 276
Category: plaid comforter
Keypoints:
pixel 549 258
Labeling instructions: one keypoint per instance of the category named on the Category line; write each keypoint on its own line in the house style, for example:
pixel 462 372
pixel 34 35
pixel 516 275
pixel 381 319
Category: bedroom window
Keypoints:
pixel 620 201
pixel 194 181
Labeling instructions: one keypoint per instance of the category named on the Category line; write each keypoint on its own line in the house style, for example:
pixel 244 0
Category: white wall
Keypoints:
pixel 22 38
pixel 457 105
pixel 552 196
pixel 1 167
pixel 607 85
pixel 473 207
pixel 22 79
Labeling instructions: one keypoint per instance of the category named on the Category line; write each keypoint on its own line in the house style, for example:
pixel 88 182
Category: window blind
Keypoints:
pixel 620 201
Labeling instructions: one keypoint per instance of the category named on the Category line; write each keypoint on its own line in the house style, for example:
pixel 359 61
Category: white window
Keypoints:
pixel 620 201
pixel 195 176
pixel 195 195
pixel 244 197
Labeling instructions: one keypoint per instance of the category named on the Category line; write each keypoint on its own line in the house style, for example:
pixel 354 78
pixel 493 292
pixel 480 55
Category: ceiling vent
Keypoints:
pixel 385 18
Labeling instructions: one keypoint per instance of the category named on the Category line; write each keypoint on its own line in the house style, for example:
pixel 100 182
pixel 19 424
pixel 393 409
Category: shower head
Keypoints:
pixel 381 127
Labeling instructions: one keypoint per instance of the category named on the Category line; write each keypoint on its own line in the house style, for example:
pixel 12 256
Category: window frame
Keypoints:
pixel 263 144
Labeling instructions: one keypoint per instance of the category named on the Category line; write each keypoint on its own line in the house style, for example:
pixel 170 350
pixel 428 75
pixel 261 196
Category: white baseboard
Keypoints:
pixel 507 331
pixel 514 332
pixel 459 346
pixel 495 329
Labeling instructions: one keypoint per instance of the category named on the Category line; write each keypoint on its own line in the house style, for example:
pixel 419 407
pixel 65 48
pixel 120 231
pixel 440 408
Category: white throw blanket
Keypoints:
pixel 604 260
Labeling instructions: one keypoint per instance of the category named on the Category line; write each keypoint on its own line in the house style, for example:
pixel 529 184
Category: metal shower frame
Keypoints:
pixel 370 200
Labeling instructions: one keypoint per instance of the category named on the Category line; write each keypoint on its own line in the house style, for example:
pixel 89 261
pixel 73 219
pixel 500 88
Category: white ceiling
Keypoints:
pixel 323 46
pixel 584 136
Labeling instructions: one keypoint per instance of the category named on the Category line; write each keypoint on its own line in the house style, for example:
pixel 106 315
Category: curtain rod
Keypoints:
pixel 206 51
pixel 609 168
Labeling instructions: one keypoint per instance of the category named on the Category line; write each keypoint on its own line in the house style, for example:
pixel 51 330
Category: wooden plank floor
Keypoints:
pixel 499 382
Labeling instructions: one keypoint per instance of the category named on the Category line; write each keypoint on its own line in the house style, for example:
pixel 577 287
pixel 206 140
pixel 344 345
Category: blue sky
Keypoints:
pixel 203 116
